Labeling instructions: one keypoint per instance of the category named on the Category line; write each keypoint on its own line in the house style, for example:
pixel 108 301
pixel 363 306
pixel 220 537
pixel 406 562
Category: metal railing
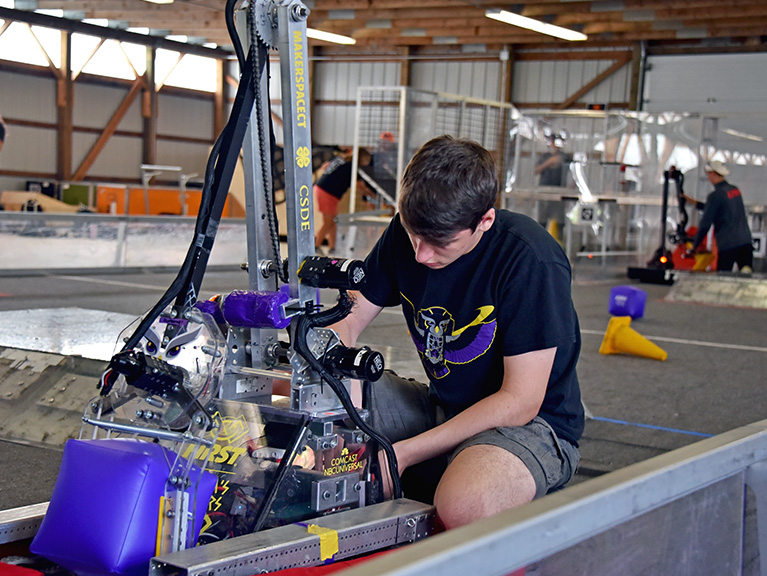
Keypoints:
pixel 678 513
pixel 41 240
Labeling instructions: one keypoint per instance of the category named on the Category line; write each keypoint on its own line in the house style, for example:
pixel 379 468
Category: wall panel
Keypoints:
pixel 29 149
pixel 28 97
pixel 710 83
pixel 474 78
pixel 333 125
pixel 191 157
pixel 179 116
pixel 95 104
pixel 548 82
pixel 335 91
pixel 120 158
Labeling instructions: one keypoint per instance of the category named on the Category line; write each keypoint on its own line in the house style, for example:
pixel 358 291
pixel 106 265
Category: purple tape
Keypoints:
pixel 210 307
pixel 249 309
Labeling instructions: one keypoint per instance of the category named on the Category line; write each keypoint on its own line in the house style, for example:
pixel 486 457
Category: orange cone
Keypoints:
pixel 620 338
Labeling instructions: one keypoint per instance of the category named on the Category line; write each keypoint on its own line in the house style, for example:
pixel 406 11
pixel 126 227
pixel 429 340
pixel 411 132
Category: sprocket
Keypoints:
pixel 265 20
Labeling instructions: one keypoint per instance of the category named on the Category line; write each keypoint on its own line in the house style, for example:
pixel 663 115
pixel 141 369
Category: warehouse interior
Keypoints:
pixel 119 117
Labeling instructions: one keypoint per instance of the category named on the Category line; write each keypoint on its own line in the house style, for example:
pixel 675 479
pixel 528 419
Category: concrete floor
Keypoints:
pixel 712 381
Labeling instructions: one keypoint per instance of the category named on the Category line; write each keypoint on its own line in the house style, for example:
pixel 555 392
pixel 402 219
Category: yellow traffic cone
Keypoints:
pixel 553 228
pixel 621 338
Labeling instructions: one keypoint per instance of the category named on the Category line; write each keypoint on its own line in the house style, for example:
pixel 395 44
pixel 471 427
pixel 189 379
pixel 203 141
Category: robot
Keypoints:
pixel 198 378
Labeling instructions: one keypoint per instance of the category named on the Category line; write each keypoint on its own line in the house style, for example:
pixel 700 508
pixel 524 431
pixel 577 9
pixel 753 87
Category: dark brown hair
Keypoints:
pixel 447 187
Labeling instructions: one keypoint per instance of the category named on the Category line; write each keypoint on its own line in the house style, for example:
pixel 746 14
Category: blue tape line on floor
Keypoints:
pixel 663 428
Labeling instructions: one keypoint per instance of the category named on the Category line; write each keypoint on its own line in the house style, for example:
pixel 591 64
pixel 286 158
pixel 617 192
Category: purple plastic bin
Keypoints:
pixel 103 515
pixel 627 301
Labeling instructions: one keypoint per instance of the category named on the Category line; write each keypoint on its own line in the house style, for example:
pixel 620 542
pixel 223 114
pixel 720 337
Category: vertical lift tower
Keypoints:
pixel 297 476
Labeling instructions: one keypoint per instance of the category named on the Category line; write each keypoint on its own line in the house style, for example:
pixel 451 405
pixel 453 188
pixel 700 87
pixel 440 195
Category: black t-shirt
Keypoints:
pixel 508 296
pixel 337 177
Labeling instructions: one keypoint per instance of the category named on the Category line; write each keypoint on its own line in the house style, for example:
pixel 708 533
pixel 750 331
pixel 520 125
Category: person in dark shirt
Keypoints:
pixel 724 210
pixel 553 165
pixel 486 297
pixel 2 132
pixel 329 189
pixel 552 168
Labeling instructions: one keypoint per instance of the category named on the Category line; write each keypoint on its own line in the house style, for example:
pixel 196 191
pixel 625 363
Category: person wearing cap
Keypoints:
pixel 724 210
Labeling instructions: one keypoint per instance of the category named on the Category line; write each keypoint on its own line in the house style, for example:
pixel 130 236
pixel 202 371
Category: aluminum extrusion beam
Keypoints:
pixel 21 523
pixel 358 531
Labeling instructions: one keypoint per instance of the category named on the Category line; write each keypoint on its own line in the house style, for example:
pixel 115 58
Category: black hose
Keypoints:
pixel 202 223
pixel 232 30
pixel 305 323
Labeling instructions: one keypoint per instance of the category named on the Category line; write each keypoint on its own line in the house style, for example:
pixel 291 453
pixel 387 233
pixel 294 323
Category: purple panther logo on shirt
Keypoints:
pixel 440 343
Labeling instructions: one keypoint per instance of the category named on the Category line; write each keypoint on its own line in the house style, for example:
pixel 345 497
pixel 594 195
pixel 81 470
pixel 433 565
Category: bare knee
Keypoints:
pixel 480 482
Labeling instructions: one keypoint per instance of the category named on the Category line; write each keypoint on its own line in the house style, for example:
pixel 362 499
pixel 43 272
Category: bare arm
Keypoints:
pixel 550 162
pixel 362 314
pixel 518 401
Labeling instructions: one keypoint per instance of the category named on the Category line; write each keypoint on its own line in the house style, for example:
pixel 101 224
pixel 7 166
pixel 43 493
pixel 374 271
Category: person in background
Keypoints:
pixel 724 210
pixel 552 167
pixel 329 189
pixel 486 297
pixel 2 132
pixel 2 139
pixel 553 164
pixel 384 165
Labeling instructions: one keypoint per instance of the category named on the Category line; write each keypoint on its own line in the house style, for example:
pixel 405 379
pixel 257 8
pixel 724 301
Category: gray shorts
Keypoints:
pixel 401 408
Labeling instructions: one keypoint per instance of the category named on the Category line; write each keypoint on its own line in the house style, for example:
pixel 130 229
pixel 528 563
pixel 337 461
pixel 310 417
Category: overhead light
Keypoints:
pixel 329 37
pixel 534 25
pixel 159 1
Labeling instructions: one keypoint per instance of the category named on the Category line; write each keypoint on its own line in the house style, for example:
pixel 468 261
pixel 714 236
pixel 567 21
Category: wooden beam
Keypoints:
pixel 219 113
pixel 149 110
pixel 38 19
pixel 110 128
pixel 595 82
pixel 635 98
pixel 405 69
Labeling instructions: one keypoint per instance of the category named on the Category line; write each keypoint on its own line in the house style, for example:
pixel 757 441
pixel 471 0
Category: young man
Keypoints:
pixel 724 209
pixel 486 296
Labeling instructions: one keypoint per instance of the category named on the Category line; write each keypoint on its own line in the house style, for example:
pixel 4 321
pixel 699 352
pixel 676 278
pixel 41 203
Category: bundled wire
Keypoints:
pixel 305 323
